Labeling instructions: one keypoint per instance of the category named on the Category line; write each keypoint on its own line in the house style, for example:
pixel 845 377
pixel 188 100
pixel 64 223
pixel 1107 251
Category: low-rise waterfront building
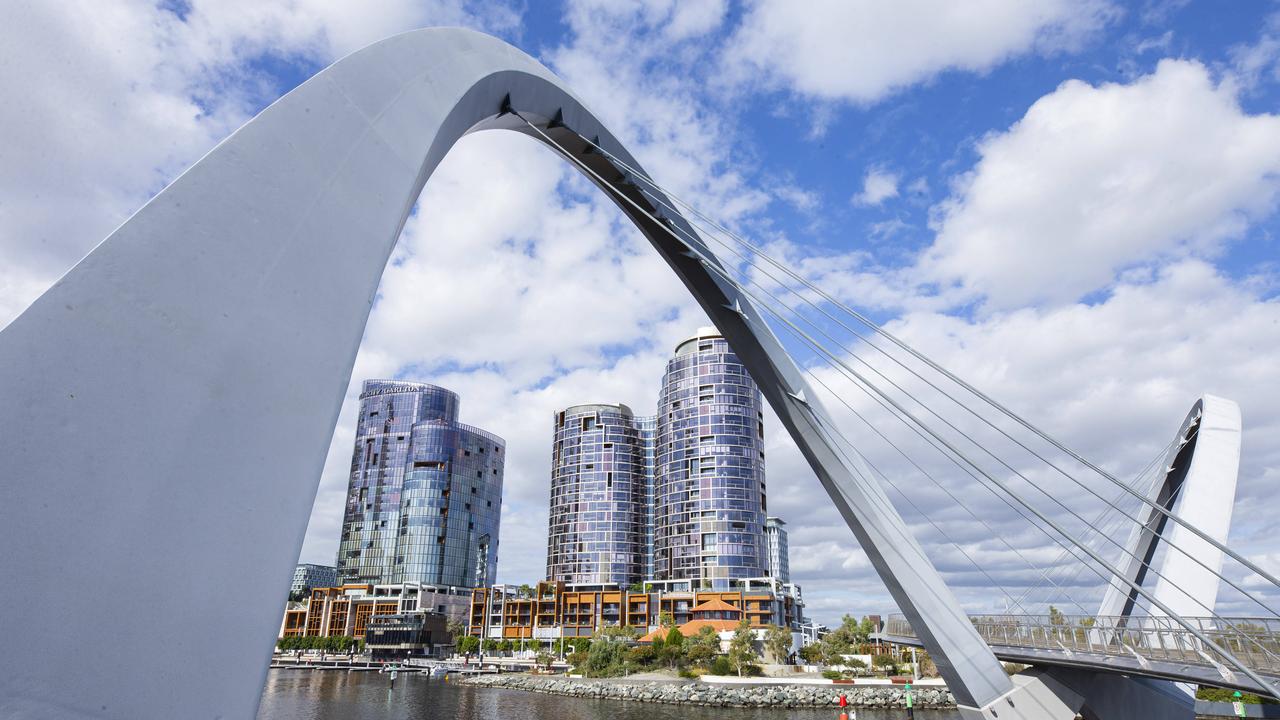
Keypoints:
pixel 812 632
pixel 555 610
pixel 347 610
pixel 408 635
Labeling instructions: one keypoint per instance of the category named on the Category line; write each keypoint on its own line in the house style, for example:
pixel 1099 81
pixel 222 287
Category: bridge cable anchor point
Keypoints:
pixel 505 107
pixel 736 306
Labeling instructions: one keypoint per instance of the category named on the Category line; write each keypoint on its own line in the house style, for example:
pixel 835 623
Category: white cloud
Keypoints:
pixel 861 51
pixel 1259 61
pixel 878 185
pixel 1112 380
pixel 107 101
pixel 1094 179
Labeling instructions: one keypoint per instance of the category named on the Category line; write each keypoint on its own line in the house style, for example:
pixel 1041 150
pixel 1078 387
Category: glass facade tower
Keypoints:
pixel 775 534
pixel 709 489
pixel 601 463
pixel 425 494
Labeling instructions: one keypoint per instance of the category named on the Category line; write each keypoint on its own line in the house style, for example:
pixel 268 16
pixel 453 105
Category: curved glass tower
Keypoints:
pixel 425 494
pixel 709 491
pixel 600 469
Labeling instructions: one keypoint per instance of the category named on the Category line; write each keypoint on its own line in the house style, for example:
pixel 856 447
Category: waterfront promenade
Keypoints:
pixel 304 695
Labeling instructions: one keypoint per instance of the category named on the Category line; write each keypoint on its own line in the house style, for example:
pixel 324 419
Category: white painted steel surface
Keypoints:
pixel 1205 496
pixel 168 404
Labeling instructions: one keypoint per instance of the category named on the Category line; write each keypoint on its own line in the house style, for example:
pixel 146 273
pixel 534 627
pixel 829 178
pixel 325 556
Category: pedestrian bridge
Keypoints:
pixel 1149 646
pixel 224 317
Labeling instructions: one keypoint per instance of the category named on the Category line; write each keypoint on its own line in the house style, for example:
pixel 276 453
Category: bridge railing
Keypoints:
pixel 1254 641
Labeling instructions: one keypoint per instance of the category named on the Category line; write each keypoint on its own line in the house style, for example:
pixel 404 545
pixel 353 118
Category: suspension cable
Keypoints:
pixel 960 503
pixel 877 329
pixel 1113 522
pixel 1045 519
pixel 1216 572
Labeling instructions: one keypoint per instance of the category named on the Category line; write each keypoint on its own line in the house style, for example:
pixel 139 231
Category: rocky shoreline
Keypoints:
pixel 699 693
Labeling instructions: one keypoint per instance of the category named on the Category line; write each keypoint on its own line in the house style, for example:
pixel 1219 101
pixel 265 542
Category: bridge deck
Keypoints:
pixel 1146 646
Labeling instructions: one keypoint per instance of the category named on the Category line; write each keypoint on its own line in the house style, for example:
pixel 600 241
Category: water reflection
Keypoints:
pixel 313 695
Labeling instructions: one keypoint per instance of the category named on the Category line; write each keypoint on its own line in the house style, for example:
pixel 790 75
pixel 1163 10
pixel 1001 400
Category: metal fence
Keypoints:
pixel 1254 641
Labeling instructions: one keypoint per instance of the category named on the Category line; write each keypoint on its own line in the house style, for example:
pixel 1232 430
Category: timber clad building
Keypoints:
pixel 348 610
pixel 558 610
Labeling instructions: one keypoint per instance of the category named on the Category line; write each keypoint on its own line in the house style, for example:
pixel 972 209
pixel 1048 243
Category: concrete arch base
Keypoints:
pixel 1070 694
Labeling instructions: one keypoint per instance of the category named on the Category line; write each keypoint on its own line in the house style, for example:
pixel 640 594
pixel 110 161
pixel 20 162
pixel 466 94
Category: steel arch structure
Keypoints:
pixel 168 403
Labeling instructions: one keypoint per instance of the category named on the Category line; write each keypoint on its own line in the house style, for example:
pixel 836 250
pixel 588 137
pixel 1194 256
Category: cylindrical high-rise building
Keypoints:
pixel 709 491
pixel 599 495
pixel 425 494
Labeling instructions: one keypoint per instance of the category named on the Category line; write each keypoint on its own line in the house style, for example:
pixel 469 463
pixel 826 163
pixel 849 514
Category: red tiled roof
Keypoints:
pixel 716 605
pixel 691 628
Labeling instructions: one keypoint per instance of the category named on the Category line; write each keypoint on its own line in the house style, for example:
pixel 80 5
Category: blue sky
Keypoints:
pixel 1072 204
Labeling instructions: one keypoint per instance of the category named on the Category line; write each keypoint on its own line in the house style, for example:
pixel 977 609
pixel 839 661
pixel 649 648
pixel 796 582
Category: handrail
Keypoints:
pixel 1149 638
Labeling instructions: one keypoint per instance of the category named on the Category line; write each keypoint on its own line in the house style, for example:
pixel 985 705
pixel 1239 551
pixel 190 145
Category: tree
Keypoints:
pixel 618 632
pixel 643 655
pixel 544 659
pixel 456 629
pixel 636 588
pixel 466 645
pixel 884 663
pixel 833 653
pixel 1056 617
pixel 742 649
pixel 525 591
pixel 605 658
pixel 673 647
pixel 866 628
pixel 703 647
pixel 927 667
pixel 777 640
pixel 811 654
pixel 720 666
pixel 666 620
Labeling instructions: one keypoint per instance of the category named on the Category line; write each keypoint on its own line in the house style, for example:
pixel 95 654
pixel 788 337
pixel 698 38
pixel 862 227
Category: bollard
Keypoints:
pixel 911 713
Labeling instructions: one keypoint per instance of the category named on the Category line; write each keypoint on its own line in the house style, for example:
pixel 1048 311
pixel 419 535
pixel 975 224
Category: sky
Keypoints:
pixel 1069 203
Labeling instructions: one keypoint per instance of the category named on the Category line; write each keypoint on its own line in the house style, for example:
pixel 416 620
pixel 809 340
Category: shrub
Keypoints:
pixel 643 655
pixel 1224 695
pixel 720 666
pixel 606 658
pixel 831 674
pixel 751 671
pixel 687 673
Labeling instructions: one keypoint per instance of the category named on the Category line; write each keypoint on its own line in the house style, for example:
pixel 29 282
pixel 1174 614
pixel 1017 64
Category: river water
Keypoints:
pixel 335 695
